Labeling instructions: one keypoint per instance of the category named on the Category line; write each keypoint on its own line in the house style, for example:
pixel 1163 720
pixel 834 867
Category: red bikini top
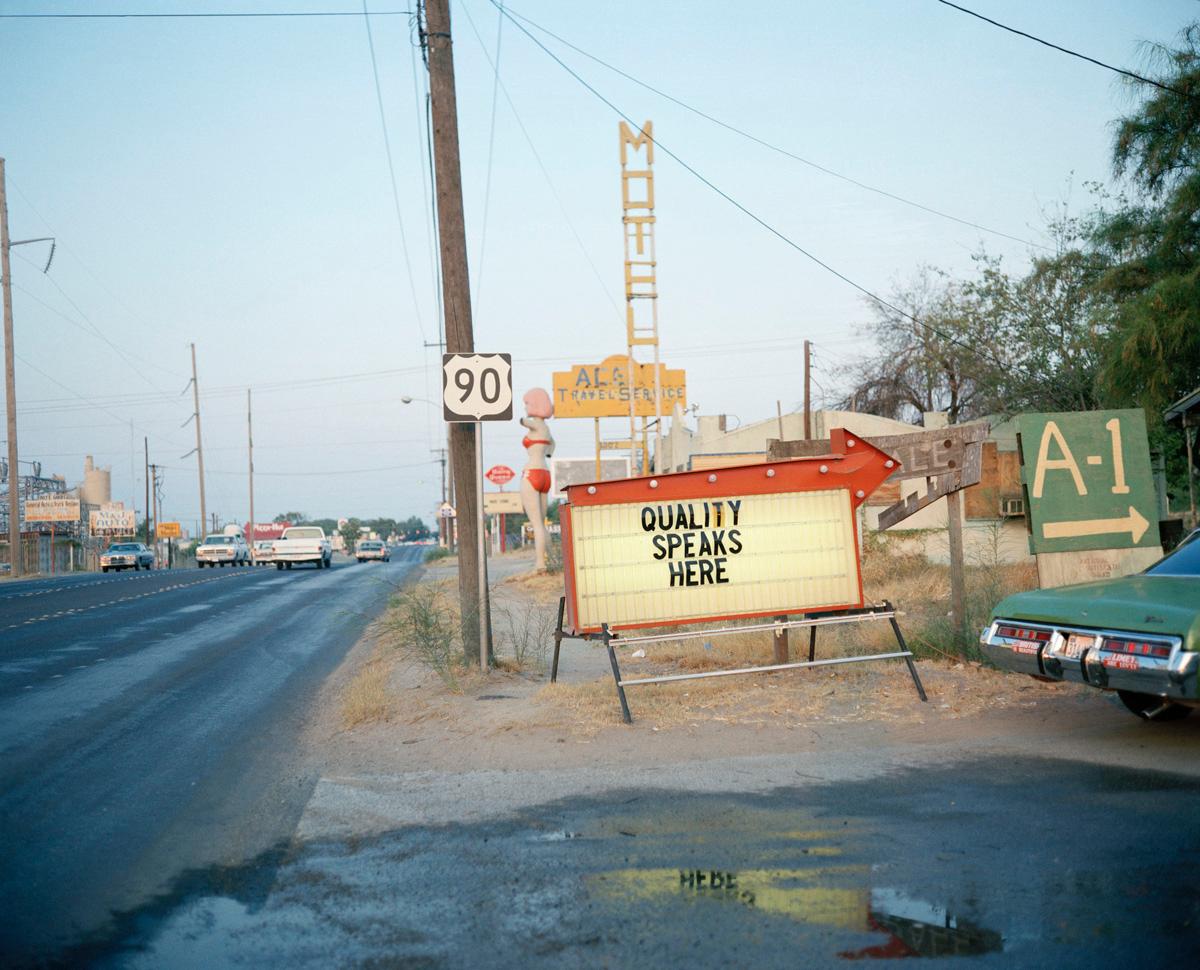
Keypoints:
pixel 527 441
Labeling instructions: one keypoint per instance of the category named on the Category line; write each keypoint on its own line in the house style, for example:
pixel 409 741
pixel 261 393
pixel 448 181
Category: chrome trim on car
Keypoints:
pixel 1174 676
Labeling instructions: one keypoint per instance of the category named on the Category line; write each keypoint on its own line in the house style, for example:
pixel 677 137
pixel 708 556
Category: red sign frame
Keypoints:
pixel 853 464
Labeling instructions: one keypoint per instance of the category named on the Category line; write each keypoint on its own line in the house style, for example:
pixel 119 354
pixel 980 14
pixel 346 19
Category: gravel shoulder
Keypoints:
pixel 492 746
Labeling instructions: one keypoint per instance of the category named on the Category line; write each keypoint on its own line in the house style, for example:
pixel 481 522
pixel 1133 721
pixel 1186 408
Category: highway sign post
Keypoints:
pixel 1089 491
pixel 52 510
pixel 755 541
pixel 477 388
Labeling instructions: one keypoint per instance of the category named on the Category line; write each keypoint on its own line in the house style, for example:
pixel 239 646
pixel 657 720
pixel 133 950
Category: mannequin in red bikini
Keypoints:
pixel 535 478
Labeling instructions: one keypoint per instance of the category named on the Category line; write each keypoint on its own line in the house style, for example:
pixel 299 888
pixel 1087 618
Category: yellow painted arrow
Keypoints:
pixel 1134 523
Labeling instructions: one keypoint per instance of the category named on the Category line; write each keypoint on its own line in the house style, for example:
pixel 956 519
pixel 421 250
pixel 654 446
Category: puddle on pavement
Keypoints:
pixel 827 893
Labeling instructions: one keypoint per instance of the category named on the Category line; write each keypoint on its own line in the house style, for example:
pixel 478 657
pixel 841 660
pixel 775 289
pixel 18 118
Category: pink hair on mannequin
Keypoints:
pixel 537 403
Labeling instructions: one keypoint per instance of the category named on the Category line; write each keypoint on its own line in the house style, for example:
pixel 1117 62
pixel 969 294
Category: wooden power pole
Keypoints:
pixel 250 441
pixel 456 297
pixel 807 391
pixel 199 445
pixel 10 392
pixel 149 538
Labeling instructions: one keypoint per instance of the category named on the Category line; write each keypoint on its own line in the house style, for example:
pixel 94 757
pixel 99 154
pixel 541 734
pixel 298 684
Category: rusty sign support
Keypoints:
pixel 884 611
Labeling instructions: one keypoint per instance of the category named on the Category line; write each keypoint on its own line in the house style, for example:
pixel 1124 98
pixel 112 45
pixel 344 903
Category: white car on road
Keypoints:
pixel 302 543
pixel 222 550
pixel 367 549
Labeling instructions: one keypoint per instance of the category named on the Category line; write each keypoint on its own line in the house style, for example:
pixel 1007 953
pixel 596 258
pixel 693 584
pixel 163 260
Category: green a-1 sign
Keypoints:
pixel 1088 483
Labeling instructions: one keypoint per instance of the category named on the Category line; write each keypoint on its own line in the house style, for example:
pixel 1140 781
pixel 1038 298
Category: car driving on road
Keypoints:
pixel 367 549
pixel 1138 635
pixel 302 543
pixel 222 550
pixel 126 555
pixel 263 555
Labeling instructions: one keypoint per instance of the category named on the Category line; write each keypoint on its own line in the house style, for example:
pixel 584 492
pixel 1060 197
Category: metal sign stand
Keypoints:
pixel 811 621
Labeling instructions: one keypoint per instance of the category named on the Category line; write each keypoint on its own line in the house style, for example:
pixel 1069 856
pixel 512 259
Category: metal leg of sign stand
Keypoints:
pixel 612 659
pixel 912 668
pixel 558 638
pixel 812 644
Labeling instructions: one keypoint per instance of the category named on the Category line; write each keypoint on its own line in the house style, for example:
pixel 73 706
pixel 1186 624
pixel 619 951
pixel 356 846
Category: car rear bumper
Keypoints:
pixel 297 556
pixel 1088 656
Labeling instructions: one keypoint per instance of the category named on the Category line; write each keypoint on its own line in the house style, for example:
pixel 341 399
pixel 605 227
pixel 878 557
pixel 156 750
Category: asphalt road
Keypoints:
pixel 1026 863
pixel 148 725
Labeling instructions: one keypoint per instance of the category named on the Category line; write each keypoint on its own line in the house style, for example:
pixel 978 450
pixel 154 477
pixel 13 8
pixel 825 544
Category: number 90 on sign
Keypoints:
pixel 477 387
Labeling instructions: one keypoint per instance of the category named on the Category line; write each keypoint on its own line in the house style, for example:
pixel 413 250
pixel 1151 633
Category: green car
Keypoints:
pixel 1138 635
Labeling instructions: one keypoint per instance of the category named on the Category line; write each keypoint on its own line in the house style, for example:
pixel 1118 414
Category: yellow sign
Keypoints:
pixel 168 530
pixel 646 563
pixel 602 390
pixel 502 503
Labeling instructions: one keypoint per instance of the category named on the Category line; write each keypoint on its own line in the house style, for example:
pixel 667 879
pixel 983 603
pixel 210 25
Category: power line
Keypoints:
pixel 770 146
pixel 188 15
pixel 1066 50
pixel 758 219
pixel 545 172
pixel 487 191
pixel 387 145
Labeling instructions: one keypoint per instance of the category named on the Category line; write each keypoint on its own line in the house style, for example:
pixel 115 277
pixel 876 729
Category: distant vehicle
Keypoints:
pixel 126 555
pixel 263 556
pixel 302 543
pixel 233 530
pixel 371 549
pixel 222 550
pixel 1138 635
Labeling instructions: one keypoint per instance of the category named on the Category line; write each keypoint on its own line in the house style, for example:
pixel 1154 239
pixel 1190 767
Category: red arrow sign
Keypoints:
pixel 499 474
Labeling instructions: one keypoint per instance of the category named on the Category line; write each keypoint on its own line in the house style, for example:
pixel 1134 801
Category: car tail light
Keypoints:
pixel 1138 648
pixel 1023 633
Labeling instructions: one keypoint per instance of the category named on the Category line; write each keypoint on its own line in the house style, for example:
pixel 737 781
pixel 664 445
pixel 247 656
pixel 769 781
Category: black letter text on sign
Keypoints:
pixel 477 387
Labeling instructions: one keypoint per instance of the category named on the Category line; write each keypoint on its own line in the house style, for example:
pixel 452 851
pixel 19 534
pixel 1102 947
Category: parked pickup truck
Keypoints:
pixel 302 543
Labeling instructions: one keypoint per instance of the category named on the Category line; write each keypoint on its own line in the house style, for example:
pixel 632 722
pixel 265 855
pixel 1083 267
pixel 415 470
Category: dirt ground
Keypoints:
pixel 388 711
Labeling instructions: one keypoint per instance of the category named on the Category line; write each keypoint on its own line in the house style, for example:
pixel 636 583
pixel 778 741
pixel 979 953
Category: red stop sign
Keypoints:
pixel 499 474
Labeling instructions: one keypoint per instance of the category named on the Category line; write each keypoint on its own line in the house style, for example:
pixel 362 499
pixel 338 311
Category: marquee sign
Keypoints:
pixel 756 540
pixel 602 390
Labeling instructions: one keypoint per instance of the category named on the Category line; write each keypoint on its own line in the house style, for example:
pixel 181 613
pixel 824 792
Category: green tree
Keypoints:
pixel 1153 242
pixel 350 533
pixel 1048 325
pixel 293 517
pixel 934 353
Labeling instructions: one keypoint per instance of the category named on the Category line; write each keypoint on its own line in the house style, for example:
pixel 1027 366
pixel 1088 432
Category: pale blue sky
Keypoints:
pixel 225 182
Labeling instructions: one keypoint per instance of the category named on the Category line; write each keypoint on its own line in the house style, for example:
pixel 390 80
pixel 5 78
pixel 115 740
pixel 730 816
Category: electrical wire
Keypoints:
pixel 190 15
pixel 545 172
pixel 773 147
pixel 788 241
pixel 1066 50
pixel 387 145
pixel 487 191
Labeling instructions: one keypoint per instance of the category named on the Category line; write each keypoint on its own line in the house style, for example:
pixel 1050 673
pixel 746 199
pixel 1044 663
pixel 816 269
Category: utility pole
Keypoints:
pixel 146 511
pixel 10 392
pixel 199 445
pixel 807 391
pixel 152 510
pixel 250 440
pixel 456 297
pixel 443 530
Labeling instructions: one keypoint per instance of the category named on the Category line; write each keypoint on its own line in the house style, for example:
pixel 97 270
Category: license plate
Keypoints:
pixel 1076 644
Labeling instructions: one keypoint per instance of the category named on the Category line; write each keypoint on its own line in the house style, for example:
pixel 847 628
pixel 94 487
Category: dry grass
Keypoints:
pixel 366 698
pixel 879 692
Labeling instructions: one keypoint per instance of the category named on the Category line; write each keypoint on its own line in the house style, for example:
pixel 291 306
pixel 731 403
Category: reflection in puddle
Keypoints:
pixel 918 929
pixel 912 927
